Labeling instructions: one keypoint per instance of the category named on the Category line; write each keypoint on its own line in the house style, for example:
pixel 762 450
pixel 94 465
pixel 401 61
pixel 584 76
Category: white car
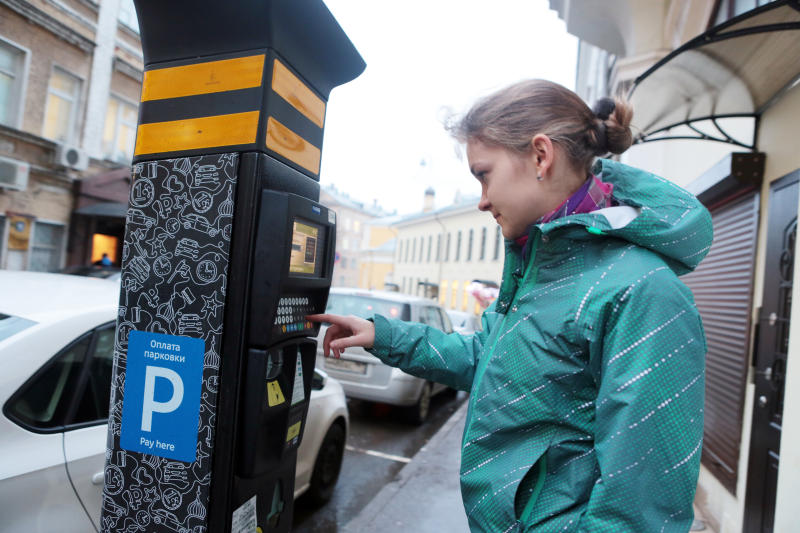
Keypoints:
pixel 364 376
pixel 56 354
pixel 463 322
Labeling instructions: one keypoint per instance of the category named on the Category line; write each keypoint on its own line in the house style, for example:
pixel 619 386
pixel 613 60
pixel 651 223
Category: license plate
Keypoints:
pixel 347 366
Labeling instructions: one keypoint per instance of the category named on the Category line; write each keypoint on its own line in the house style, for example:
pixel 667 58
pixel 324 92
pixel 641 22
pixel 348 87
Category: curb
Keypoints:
pixel 403 504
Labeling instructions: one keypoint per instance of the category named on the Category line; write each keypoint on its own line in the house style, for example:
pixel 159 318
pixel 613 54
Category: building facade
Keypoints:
pixel 714 83
pixel 440 252
pixel 351 223
pixel 70 78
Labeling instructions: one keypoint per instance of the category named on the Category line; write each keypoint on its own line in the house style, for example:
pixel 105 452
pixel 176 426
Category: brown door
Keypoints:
pixel 771 354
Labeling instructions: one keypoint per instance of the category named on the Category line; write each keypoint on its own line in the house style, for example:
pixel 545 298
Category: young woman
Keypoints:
pixel 586 384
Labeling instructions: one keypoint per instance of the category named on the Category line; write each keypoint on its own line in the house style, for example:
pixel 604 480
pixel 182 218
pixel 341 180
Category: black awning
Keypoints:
pixel 736 69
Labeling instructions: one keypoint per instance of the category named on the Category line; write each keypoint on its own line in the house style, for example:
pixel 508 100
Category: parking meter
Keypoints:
pixel 226 251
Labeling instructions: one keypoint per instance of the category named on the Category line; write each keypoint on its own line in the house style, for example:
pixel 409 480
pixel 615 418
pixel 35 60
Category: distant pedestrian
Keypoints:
pixel 587 381
pixel 104 261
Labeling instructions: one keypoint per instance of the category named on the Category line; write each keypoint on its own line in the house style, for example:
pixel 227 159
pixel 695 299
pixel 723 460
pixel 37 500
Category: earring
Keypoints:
pixel 539 177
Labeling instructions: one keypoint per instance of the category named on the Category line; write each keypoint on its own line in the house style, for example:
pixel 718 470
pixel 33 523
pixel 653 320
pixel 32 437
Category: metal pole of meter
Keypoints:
pixel 226 250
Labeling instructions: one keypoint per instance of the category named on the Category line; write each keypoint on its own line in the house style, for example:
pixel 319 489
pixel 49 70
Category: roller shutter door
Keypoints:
pixel 723 289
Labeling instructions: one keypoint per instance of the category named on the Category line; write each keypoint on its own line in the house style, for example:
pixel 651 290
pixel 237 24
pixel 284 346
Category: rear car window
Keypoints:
pixel 366 307
pixel 11 325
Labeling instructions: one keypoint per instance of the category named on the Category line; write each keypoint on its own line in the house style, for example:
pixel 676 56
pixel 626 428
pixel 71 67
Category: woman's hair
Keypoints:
pixel 511 117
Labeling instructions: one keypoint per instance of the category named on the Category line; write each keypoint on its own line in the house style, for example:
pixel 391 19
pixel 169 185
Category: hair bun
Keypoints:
pixel 604 107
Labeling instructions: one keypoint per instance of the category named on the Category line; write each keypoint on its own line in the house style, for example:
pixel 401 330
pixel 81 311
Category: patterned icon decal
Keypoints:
pixel 174 275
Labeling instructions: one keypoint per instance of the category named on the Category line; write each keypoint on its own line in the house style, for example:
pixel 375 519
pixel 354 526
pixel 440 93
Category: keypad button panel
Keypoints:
pixel 290 316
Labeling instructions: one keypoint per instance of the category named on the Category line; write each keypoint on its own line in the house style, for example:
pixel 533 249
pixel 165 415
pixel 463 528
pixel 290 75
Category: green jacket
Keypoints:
pixel 587 381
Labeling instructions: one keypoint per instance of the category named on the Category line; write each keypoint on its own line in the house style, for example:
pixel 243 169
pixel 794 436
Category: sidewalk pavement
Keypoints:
pixel 426 496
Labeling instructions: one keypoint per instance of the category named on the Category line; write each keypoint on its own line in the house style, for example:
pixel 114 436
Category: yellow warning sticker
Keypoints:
pixel 274 394
pixel 294 430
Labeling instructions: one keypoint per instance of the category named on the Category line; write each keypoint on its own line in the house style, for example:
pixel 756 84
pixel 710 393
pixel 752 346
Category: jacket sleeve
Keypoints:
pixel 429 353
pixel 649 364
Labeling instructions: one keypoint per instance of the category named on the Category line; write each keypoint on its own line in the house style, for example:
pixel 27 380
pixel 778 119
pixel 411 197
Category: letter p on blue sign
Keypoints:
pixel 161 407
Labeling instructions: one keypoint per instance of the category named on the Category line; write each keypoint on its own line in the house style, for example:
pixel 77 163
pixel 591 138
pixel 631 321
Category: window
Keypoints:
pixel 127 15
pixel 455 295
pixel 447 249
pixel 12 79
pixel 469 245
pixel 62 106
pixel 458 245
pixel 727 9
pixel 438 247
pixel 48 242
pixel 407 247
pixel 430 241
pixel 421 247
pixel 119 131
pixel 399 250
pixel 430 316
pixel 62 392
pixel 414 251
pixel 11 325
pixel 497 243
pixel 344 262
pixel 356 225
pixel 483 244
pixel 366 306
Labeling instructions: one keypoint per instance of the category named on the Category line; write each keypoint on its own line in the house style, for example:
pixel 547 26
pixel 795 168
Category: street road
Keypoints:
pixel 380 444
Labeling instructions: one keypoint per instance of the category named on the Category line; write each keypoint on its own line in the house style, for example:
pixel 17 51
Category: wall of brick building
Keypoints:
pixel 46 50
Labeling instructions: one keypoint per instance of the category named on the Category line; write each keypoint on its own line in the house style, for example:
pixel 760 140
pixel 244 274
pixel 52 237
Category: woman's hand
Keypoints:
pixel 344 332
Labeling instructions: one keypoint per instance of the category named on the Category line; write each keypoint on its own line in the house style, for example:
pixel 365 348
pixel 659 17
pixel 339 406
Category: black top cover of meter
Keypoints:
pixel 292 267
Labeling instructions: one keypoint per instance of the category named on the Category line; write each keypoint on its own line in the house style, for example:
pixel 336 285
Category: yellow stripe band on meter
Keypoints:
pixel 274 394
pixel 294 91
pixel 294 430
pixel 203 78
pixel 196 133
pixel 290 145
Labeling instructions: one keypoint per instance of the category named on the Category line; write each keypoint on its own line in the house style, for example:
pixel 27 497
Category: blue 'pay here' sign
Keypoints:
pixel 161 406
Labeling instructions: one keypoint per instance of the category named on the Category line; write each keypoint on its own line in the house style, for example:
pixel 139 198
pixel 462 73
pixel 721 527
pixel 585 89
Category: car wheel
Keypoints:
pixel 419 412
pixel 327 465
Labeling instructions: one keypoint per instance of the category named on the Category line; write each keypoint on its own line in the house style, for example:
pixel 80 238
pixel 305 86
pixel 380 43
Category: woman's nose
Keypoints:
pixel 484 203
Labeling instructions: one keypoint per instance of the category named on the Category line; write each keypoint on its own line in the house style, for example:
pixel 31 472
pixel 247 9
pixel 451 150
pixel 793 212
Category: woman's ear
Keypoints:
pixel 543 153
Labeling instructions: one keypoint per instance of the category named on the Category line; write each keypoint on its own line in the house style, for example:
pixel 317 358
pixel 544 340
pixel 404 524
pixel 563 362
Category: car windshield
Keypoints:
pixel 366 307
pixel 10 325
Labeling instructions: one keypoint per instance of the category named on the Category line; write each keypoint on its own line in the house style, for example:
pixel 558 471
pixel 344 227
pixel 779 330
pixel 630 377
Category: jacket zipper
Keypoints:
pixel 484 363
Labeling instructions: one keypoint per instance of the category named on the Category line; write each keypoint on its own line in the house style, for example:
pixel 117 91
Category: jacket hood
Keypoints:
pixel 654 213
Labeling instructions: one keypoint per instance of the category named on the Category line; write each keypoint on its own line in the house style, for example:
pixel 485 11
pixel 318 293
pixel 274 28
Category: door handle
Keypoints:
pixel 767 373
pixel 98 478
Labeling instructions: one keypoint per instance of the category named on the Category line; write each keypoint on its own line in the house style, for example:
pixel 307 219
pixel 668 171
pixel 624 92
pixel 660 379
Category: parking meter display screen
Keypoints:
pixel 307 251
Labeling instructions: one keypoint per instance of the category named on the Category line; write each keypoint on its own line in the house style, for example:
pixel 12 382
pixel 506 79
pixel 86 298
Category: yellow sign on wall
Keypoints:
pixel 19 232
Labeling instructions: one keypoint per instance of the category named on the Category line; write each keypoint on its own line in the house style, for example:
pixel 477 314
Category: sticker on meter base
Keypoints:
pixel 243 519
pixel 161 406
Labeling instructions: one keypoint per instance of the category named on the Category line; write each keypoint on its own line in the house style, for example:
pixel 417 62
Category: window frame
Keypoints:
pixel 73 127
pixel 23 85
pixel 62 248
pixel 73 397
pixel 125 101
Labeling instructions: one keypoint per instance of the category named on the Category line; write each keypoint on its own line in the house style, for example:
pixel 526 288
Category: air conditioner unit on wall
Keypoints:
pixel 71 157
pixel 13 174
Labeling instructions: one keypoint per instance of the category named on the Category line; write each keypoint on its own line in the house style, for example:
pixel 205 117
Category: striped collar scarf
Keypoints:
pixel 594 194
